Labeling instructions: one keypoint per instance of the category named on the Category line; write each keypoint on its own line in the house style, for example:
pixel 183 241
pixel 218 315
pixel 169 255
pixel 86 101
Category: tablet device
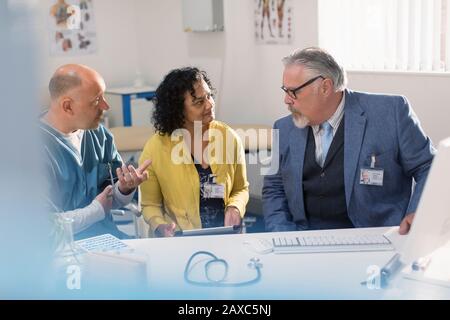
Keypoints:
pixel 209 231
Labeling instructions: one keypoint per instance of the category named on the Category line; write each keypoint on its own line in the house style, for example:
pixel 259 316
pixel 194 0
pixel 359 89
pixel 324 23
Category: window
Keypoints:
pixel 403 35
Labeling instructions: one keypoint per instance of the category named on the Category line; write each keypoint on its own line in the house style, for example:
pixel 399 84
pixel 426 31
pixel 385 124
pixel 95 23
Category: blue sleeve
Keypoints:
pixel 275 204
pixel 416 150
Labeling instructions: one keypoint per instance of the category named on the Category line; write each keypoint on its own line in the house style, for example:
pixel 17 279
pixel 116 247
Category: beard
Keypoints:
pixel 299 119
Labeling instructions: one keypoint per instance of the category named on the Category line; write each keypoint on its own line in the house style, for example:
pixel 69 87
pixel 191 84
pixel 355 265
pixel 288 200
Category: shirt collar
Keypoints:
pixel 336 118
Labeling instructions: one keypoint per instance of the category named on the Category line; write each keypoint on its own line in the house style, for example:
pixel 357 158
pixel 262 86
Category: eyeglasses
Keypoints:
pixel 293 92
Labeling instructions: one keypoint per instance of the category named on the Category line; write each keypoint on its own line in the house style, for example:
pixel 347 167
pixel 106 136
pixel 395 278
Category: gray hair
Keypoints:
pixel 61 83
pixel 320 62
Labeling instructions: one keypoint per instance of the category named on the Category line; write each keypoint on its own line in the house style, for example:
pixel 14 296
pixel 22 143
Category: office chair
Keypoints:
pixel 256 145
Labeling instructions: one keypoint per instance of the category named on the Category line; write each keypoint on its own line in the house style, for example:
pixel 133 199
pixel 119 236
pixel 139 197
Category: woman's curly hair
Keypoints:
pixel 168 114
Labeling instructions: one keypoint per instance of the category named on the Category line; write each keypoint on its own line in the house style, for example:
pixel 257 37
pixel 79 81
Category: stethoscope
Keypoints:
pixel 220 282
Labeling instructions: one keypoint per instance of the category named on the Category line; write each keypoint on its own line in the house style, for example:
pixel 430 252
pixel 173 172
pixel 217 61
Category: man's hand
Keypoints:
pixel 106 198
pixel 130 178
pixel 165 230
pixel 232 217
pixel 405 225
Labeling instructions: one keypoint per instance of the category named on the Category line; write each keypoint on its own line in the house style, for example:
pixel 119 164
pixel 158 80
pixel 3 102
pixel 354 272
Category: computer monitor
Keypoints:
pixel 431 225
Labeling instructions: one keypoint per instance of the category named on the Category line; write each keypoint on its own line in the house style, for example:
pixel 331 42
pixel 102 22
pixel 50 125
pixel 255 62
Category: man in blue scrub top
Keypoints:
pixel 80 154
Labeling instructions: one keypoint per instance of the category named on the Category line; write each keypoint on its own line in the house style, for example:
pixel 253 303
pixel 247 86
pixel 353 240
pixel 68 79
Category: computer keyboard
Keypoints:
pixel 331 243
pixel 105 242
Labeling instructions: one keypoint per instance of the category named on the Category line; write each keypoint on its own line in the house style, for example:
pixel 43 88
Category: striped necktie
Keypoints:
pixel 327 137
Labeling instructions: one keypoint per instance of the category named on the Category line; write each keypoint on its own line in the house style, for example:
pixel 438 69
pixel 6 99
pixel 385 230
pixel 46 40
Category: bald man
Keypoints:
pixel 80 155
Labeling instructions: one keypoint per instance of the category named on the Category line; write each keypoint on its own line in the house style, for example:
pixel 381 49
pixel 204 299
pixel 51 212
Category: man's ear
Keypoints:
pixel 67 105
pixel 327 87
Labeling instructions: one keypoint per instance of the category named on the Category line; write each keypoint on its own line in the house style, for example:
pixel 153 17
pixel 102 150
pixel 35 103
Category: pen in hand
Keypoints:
pixel 111 177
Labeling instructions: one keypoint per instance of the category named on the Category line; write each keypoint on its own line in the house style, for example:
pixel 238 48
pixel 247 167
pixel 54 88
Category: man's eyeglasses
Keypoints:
pixel 293 92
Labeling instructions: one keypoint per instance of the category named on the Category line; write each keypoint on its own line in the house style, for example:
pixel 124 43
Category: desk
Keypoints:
pixel 127 94
pixel 284 276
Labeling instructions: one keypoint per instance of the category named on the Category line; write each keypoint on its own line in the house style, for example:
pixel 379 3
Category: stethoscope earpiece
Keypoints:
pixel 254 263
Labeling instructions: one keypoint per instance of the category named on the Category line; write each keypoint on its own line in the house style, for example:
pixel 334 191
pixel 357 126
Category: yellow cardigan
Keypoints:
pixel 172 191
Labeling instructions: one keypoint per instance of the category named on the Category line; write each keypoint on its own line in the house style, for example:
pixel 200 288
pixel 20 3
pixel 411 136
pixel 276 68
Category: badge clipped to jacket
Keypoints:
pixel 212 189
pixel 371 176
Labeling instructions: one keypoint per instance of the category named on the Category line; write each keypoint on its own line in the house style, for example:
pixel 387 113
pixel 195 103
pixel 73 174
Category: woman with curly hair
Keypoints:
pixel 198 176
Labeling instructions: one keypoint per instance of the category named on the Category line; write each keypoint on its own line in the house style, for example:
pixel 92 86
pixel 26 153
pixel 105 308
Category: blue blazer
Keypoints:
pixel 375 124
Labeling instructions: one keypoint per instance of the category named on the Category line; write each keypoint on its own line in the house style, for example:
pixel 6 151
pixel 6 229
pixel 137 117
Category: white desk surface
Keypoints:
pixel 130 90
pixel 284 276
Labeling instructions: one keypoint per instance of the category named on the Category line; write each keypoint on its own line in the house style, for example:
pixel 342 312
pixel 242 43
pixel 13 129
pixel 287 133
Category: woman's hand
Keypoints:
pixel 232 216
pixel 165 230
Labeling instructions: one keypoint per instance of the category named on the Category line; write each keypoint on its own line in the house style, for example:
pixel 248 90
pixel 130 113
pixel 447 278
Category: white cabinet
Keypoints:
pixel 202 15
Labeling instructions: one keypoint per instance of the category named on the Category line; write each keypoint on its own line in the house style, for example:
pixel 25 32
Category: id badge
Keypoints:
pixel 213 190
pixel 371 176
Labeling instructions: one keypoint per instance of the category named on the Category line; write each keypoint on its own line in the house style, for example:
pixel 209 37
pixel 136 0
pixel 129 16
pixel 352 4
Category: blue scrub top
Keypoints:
pixel 74 180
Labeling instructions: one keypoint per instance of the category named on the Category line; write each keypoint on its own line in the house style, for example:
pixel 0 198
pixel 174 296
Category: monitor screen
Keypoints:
pixel 431 225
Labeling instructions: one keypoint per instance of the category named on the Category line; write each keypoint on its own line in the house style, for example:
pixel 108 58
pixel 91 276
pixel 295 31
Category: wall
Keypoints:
pixel 147 35
pixel 117 53
pixel 248 75
pixel 428 94
pixel 163 45
pixel 253 75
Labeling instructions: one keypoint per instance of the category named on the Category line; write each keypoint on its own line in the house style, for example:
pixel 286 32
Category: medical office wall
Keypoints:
pixel 116 54
pixel 248 74
pixel 148 36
